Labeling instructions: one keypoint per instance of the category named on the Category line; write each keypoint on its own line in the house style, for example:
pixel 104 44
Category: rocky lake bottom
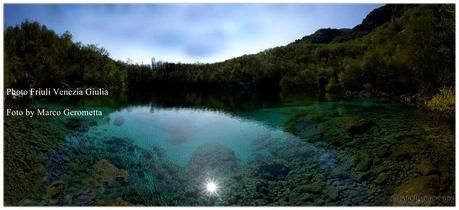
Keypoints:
pixel 295 151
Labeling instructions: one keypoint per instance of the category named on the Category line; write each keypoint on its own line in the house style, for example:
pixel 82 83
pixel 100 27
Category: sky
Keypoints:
pixel 187 33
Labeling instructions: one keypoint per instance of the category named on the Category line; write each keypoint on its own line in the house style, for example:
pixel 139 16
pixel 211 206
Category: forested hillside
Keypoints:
pixel 36 56
pixel 397 49
pixel 411 52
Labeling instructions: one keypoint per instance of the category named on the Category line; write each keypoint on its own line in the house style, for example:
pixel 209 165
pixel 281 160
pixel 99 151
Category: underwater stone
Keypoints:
pixel 337 141
pixel 55 164
pixel 331 193
pixel 427 168
pixel 80 124
pixel 327 160
pixel 104 173
pixel 319 202
pixel 379 169
pixel 158 151
pixel 31 202
pixel 273 171
pixel 312 188
pixel 360 126
pixel 212 160
pixel 307 197
pixel 381 178
pixel 333 113
pixel 119 121
pixel 118 202
pixel 363 176
pixel 147 155
pixel 363 165
pixel 340 173
pixel 400 154
pixel 117 144
pixel 302 125
pixel 412 191
pixel 116 141
pixel 81 198
pixel 55 190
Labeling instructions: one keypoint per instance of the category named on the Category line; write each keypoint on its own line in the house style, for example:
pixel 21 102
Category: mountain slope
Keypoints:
pixel 374 19
pixel 407 49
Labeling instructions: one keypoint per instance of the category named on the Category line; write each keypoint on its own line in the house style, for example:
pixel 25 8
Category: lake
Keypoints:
pixel 242 149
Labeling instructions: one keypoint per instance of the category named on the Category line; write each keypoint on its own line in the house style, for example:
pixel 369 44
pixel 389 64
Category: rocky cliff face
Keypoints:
pixel 374 19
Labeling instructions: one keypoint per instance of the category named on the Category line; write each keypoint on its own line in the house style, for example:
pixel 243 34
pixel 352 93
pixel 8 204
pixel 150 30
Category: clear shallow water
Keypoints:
pixel 179 131
pixel 295 150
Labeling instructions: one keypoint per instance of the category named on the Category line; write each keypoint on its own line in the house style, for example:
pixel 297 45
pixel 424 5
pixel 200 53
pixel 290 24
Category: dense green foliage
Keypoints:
pixel 37 57
pixel 397 49
pixel 413 51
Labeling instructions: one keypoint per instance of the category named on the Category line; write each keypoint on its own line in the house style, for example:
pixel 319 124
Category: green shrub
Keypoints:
pixel 443 102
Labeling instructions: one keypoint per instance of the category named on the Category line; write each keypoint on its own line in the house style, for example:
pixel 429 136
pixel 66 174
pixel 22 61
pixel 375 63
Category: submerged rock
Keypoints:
pixel 117 141
pixel 311 188
pixel 363 176
pixel 327 161
pixel 360 127
pixel 382 178
pixel 211 160
pixel 332 193
pixel 400 154
pixel 363 165
pixel 427 168
pixel 119 121
pixel 273 171
pixel 417 191
pixel 116 144
pixel 118 202
pixel 80 124
pixel 104 173
pixel 55 164
pixel 55 190
pixel 81 198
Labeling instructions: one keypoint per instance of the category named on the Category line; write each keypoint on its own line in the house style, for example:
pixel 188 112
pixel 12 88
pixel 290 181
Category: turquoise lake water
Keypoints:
pixel 179 131
pixel 282 150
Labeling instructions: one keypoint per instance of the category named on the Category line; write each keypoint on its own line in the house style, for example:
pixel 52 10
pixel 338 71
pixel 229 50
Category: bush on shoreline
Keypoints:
pixel 443 102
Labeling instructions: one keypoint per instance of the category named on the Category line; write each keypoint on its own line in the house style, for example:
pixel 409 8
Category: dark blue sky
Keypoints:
pixel 187 32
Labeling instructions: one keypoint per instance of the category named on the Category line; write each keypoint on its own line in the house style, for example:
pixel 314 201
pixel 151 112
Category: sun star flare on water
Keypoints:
pixel 211 187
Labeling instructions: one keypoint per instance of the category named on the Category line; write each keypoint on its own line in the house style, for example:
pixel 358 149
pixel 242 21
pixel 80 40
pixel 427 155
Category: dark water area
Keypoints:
pixel 191 149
